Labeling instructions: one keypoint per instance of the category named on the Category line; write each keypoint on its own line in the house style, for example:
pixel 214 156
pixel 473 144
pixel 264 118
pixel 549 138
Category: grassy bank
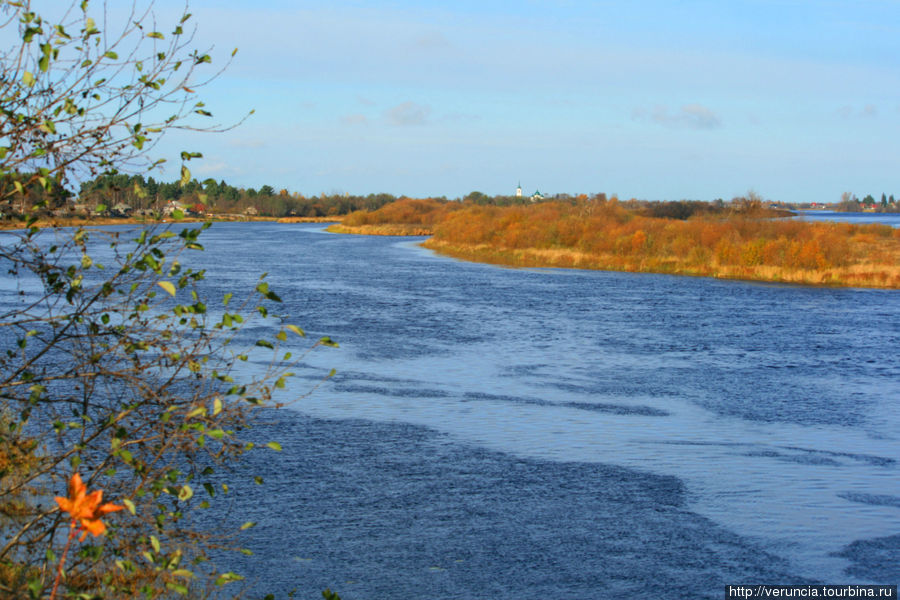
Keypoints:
pixel 310 219
pixel 382 229
pixel 862 275
pixel 605 235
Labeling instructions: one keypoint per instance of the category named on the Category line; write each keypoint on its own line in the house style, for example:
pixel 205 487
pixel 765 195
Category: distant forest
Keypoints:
pixel 124 195
pixel 121 195
pixel 218 197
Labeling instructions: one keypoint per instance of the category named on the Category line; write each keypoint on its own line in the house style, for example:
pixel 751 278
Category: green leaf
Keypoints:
pixel 30 33
pixel 129 505
pixel 186 493
pixel 111 54
pixel 327 341
pixel 296 330
pixel 185 176
pixel 183 573
pixel 28 78
pixel 195 413
pixel 155 35
pixel 274 446
pixel 155 543
pixel 227 577
pixel 248 525
pixel 265 344
pixel 168 286
pixel 177 588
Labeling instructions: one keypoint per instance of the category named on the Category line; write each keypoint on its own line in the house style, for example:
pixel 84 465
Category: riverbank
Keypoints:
pixel 51 222
pixel 747 245
pixel 382 229
pixel 866 275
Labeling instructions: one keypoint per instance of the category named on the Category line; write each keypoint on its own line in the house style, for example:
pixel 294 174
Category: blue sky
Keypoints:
pixel 796 100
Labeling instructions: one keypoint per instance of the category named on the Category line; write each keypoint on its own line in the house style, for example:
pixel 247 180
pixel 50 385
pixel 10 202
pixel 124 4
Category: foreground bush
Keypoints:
pixel 116 370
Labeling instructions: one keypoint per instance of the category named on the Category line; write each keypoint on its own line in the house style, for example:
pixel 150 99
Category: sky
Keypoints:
pixel 796 100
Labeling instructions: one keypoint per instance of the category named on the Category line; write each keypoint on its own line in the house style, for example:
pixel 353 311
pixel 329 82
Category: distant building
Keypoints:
pixel 537 195
pixel 519 190
pixel 171 206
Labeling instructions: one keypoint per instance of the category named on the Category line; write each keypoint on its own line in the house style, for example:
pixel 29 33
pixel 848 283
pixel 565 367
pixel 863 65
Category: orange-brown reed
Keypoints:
pixel 604 235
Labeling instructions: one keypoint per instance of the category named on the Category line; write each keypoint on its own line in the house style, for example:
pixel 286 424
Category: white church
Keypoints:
pixel 537 195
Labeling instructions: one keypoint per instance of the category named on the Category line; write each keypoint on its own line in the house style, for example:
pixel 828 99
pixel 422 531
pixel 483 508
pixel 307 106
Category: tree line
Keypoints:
pixel 121 193
pixel 220 197
pixel 851 203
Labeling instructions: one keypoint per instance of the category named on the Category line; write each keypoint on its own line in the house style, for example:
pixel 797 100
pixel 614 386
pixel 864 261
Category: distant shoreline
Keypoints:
pixel 53 222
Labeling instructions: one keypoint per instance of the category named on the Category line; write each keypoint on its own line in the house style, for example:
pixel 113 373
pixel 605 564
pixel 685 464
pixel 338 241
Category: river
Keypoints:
pixel 539 433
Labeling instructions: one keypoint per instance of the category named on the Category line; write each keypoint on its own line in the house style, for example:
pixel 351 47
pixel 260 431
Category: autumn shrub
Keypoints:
pixel 405 211
pixel 610 236
pixel 116 366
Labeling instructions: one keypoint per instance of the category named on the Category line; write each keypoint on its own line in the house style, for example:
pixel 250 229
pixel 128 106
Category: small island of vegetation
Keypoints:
pixel 744 239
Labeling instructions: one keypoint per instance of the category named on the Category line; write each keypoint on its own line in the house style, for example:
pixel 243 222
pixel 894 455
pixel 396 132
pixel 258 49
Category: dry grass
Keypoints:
pixel 310 219
pixel 383 229
pixel 861 275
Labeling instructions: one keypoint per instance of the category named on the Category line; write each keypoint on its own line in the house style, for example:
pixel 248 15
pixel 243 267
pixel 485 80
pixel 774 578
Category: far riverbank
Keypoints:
pixel 51 222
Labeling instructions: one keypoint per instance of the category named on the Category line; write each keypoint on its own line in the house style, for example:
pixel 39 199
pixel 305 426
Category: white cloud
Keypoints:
pixel 432 40
pixel 354 120
pixel 689 116
pixel 407 114
pixel 849 112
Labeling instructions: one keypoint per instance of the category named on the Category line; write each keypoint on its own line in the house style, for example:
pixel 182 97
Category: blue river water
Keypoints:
pixel 541 433
pixel 537 433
